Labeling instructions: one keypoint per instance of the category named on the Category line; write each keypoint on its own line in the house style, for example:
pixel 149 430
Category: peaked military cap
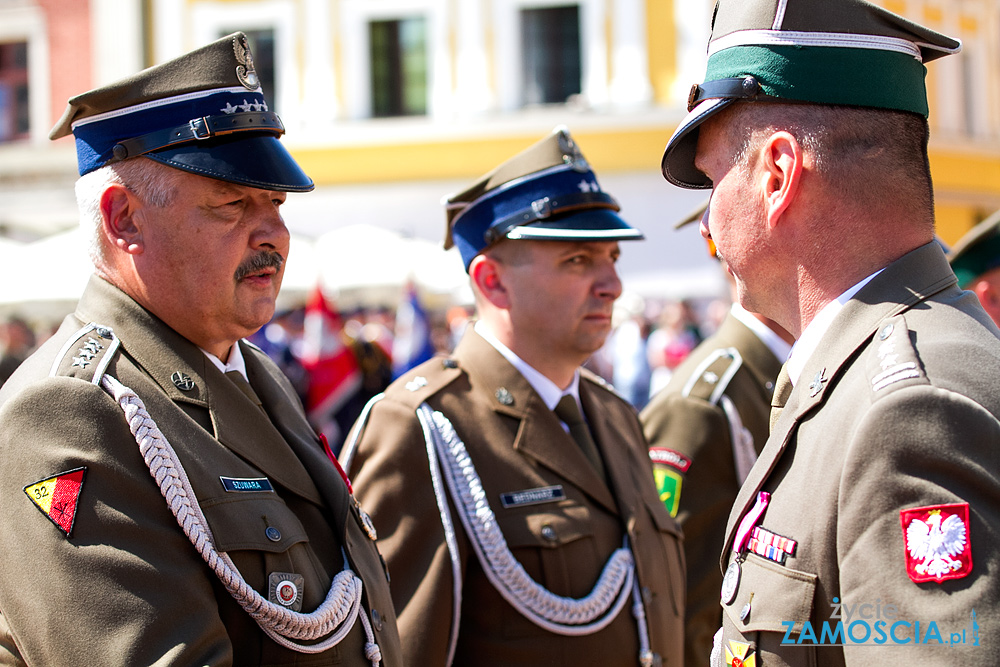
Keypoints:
pixel 840 52
pixel 203 112
pixel 547 192
pixel 977 252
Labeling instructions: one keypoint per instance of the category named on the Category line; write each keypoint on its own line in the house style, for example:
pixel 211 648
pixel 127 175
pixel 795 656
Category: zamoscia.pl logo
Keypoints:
pixel 876 624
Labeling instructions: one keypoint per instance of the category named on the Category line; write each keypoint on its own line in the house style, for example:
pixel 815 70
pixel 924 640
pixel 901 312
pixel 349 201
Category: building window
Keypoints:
pixel 14 110
pixel 398 67
pixel 550 44
pixel 262 46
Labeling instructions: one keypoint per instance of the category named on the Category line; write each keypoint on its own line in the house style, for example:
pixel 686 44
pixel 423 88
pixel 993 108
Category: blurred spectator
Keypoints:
pixel 630 370
pixel 669 344
pixel 281 340
pixel 17 340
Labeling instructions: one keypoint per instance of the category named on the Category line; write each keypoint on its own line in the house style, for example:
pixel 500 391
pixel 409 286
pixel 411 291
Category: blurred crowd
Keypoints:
pixel 374 345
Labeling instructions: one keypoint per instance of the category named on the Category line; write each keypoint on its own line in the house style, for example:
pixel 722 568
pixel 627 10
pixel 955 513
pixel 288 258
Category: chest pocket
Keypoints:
pixel 253 521
pixel 776 595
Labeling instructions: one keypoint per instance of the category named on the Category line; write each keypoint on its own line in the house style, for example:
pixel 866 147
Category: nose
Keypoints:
pixel 703 225
pixel 608 284
pixel 270 232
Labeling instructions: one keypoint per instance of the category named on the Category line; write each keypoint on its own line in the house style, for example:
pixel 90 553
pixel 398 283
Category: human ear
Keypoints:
pixel 487 276
pixel 119 225
pixel 782 162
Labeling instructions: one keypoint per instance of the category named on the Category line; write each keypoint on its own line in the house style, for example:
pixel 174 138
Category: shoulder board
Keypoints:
pixel 711 377
pixel 417 384
pixel 86 354
pixel 601 382
pixel 892 361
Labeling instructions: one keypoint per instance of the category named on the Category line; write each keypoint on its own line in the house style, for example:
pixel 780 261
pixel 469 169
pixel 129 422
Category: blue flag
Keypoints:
pixel 412 344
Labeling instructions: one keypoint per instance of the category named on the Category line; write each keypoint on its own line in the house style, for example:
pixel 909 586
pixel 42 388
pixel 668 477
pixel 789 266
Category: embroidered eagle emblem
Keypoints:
pixel 937 542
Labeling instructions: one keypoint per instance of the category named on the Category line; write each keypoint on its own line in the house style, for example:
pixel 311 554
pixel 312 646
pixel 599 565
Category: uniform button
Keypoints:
pixel 377 619
pixel 273 534
pixel 549 533
pixel 647 595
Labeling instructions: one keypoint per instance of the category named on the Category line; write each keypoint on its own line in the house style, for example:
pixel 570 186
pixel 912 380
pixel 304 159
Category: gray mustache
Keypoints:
pixel 265 259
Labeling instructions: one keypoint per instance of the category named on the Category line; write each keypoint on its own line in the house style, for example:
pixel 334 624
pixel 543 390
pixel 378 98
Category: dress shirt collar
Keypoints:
pixel 779 348
pixel 235 363
pixel 543 386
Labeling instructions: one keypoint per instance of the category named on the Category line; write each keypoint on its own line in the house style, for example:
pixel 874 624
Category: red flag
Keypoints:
pixel 334 373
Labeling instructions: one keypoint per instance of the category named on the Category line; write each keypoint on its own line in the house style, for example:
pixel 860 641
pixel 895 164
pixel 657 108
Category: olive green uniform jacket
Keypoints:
pixel 516 443
pixel 895 410
pixel 691 441
pixel 126 586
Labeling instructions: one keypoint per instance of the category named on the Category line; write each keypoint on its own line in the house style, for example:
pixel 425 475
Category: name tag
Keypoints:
pixel 545 494
pixel 238 484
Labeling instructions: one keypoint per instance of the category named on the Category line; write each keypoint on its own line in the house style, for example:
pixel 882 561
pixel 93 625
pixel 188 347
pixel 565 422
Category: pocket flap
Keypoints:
pixel 777 595
pixel 545 529
pixel 261 522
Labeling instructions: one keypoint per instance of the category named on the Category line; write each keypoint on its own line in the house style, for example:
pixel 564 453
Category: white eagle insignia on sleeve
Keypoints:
pixel 937 543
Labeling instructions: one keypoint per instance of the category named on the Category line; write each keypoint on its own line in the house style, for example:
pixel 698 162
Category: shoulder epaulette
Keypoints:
pixel 418 384
pixel 711 377
pixel 601 382
pixel 86 354
pixel 892 361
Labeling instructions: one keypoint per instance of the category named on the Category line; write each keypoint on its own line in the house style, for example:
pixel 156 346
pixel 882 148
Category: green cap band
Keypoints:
pixel 828 75
pixel 977 260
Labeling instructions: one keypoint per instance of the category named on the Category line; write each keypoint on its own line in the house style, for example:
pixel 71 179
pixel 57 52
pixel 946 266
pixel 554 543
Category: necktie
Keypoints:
pixel 782 390
pixel 569 412
pixel 244 386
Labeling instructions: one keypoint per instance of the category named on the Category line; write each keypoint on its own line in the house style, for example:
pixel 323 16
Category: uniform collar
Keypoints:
pixel 548 390
pixel 815 330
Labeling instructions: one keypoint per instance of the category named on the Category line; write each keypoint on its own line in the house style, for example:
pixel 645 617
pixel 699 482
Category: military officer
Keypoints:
pixel 163 498
pixel 975 259
pixel 518 530
pixel 705 430
pixel 866 532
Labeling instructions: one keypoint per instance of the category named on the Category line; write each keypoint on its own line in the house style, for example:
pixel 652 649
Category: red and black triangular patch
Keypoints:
pixel 57 496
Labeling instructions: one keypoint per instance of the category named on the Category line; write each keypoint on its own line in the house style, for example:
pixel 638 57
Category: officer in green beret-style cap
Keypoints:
pixel 512 489
pixel 975 259
pixel 866 533
pixel 164 499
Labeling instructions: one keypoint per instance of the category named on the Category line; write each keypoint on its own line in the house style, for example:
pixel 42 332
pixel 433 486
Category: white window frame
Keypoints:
pixel 593 49
pixel 27 24
pixel 207 21
pixel 354 20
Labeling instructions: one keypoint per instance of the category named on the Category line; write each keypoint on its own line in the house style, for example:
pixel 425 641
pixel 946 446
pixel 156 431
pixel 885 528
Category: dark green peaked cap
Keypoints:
pixel 977 252
pixel 840 52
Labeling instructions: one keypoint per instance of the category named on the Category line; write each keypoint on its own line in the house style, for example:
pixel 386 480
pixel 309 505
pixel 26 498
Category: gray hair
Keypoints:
pixel 150 181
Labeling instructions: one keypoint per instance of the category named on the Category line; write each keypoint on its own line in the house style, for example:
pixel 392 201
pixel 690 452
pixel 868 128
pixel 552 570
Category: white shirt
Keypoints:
pixel 546 388
pixel 779 348
pixel 814 332
pixel 235 363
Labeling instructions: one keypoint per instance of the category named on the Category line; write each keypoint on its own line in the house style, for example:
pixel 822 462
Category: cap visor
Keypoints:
pixel 258 161
pixel 678 157
pixel 589 225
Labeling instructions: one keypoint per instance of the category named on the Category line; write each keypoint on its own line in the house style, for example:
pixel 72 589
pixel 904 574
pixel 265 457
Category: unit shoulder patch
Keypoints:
pixel 938 543
pixel 57 497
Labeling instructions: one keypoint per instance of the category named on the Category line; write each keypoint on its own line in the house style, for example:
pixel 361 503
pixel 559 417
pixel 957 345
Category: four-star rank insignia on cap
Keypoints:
pixel 57 496
pixel 938 543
